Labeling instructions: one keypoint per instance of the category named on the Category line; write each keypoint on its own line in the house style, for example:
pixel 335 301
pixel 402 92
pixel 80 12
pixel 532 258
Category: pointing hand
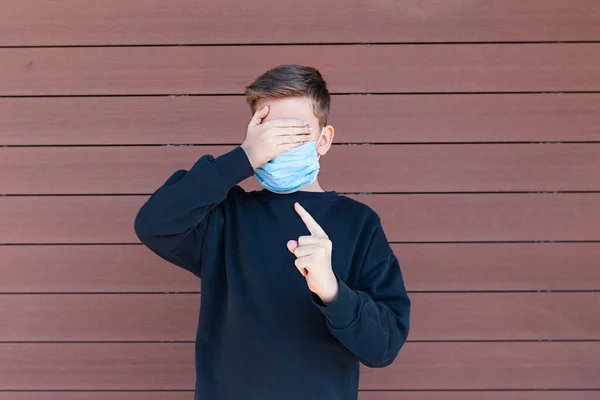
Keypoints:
pixel 313 258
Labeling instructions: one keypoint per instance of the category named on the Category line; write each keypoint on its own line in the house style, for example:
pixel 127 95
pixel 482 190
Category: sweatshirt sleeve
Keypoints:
pixel 174 221
pixel 373 319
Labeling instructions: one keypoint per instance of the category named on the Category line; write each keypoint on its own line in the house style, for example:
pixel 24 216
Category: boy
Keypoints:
pixel 298 284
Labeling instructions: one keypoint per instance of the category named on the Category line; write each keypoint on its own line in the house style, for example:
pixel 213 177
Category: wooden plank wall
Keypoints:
pixel 472 127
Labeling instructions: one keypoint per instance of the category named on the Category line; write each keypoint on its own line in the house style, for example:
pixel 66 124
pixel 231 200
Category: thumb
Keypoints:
pixel 260 114
pixel 292 245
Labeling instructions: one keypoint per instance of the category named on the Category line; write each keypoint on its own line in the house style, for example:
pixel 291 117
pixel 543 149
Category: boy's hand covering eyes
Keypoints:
pixel 265 140
pixel 313 258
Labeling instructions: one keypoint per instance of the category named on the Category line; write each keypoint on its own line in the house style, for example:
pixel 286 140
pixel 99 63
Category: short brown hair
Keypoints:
pixel 291 80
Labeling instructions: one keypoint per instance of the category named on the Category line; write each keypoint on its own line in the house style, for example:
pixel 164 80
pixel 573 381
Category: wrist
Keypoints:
pixel 331 294
pixel 234 167
pixel 249 155
pixel 342 312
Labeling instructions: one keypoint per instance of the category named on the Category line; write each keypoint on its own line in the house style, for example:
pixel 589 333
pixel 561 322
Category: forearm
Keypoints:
pixel 374 331
pixel 183 202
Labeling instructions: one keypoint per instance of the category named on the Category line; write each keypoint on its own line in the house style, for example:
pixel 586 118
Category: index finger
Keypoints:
pixel 285 122
pixel 313 227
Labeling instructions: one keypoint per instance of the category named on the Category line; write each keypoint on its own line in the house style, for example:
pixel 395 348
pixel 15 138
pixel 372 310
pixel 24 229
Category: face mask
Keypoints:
pixel 292 170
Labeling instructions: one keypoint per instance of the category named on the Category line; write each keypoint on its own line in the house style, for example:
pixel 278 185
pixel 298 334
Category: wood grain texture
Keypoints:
pixel 478 395
pixel 95 268
pixel 346 169
pixel 356 119
pixel 426 267
pixel 406 217
pixel 174 317
pixel 425 94
pixel 170 366
pixel 347 69
pixel 105 22
pixel 362 395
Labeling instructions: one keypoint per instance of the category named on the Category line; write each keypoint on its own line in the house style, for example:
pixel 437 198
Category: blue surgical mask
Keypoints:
pixel 292 170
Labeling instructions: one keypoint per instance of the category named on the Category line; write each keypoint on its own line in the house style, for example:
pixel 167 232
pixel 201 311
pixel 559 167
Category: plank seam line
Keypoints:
pixel 337 144
pixel 341 193
pixel 191 341
pixel 483 291
pixel 332 93
pixel 360 390
pixel 391 242
pixel 298 44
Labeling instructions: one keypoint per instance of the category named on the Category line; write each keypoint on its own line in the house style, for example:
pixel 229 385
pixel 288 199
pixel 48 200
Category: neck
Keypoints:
pixel 313 187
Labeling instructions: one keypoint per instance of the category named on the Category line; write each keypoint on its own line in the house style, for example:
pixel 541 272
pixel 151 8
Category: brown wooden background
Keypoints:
pixel 472 127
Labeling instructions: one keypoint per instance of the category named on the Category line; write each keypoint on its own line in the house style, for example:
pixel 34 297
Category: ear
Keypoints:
pixel 326 140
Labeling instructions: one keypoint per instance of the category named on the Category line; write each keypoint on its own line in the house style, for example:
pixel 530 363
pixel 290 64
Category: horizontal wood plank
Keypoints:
pixel 463 395
pixel 30 23
pixel 362 395
pixel 438 365
pixel 94 268
pixel 406 217
pixel 426 267
pixel 347 69
pixel 347 169
pixel 356 119
pixel 173 317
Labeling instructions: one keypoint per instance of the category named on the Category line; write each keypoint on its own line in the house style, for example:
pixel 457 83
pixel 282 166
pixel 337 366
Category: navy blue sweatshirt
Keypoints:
pixel 262 334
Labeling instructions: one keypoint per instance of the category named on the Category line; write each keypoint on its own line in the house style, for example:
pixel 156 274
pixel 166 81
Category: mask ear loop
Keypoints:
pixel 318 140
